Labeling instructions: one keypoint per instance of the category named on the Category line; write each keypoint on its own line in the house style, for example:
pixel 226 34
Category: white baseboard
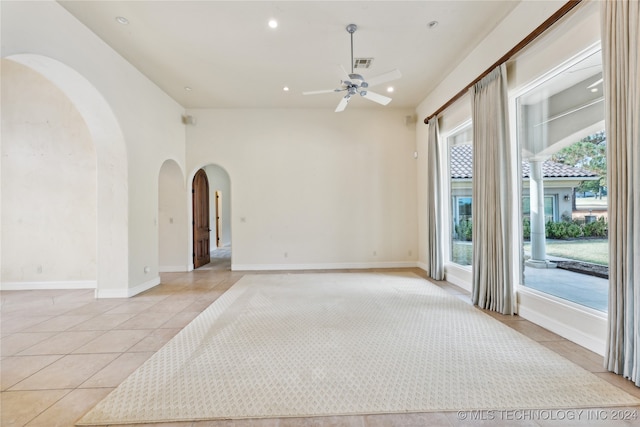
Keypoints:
pixel 173 268
pixel 52 285
pixel 423 266
pixel 324 266
pixel 581 325
pixel 455 275
pixel 458 276
pixel 128 292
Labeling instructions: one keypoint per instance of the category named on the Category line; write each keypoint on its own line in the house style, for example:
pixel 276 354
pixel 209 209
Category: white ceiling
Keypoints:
pixel 228 55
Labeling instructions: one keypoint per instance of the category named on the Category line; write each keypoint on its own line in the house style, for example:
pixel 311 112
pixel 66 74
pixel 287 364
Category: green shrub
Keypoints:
pixel 464 230
pixel 556 230
pixel 599 228
pixel 573 230
pixel 526 227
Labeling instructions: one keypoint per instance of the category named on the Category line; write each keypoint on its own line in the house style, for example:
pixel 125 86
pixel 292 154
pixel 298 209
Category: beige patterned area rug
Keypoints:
pixel 292 345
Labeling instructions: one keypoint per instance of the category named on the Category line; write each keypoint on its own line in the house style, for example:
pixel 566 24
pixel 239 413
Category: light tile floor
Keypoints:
pixel 63 351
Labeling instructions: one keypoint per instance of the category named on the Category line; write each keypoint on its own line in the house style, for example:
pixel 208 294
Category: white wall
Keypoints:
pixel 313 188
pixel 48 185
pixel 148 121
pixel 173 221
pixel 578 31
pixel 219 181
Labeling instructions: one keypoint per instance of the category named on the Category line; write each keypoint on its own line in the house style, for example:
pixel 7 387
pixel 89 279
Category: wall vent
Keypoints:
pixel 362 63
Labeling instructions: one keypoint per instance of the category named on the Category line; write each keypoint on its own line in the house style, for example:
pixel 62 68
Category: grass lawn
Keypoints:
pixel 595 251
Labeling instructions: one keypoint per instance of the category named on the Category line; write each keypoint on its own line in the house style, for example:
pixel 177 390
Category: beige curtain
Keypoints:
pixel 434 188
pixel 621 67
pixel 492 262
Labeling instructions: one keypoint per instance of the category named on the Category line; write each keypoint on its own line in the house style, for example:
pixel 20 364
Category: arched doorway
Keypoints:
pixel 219 225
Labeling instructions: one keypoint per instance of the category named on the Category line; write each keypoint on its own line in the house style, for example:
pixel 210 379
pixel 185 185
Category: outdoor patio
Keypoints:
pixel 582 289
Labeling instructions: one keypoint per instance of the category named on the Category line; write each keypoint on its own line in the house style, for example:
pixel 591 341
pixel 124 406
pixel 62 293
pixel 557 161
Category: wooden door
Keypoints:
pixel 201 230
pixel 218 217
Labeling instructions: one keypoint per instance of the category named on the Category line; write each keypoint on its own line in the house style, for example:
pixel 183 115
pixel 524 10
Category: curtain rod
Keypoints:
pixel 517 48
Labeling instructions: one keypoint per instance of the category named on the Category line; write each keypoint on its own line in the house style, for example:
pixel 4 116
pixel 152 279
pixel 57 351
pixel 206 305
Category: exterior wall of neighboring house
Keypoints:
pixel 558 193
pixel 559 182
pixel 561 192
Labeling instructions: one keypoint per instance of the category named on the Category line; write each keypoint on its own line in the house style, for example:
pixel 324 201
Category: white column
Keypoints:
pixel 536 204
pixel 536 207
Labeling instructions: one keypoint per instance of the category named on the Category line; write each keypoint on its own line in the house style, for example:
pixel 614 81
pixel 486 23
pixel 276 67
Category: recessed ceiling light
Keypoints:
pixel 595 89
pixel 273 23
pixel 188 89
pixel 286 88
pixel 122 20
pixel 431 25
pixel 390 89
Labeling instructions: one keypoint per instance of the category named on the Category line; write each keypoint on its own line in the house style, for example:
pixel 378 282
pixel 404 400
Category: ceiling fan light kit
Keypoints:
pixel 355 84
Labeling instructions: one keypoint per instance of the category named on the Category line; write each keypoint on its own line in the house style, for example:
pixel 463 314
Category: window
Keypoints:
pixel 549 208
pixel 462 210
pixel 560 130
pixel 460 184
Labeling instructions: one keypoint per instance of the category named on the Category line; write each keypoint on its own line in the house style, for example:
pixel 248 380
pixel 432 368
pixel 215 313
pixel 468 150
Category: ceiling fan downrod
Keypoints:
pixel 351 28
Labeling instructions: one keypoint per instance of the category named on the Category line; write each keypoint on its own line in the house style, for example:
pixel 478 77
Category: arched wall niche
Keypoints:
pixel 48 186
pixel 111 170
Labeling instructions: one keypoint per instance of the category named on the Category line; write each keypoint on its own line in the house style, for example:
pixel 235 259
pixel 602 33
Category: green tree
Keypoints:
pixel 590 153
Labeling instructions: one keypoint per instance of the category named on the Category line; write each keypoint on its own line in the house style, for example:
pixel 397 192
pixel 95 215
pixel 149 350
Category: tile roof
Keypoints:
pixel 461 166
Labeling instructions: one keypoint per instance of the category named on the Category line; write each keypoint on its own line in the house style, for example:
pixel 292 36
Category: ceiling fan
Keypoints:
pixel 356 84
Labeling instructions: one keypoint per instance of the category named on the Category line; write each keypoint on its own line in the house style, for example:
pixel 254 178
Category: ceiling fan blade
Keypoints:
pixel 376 97
pixel 343 103
pixel 386 77
pixel 317 92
